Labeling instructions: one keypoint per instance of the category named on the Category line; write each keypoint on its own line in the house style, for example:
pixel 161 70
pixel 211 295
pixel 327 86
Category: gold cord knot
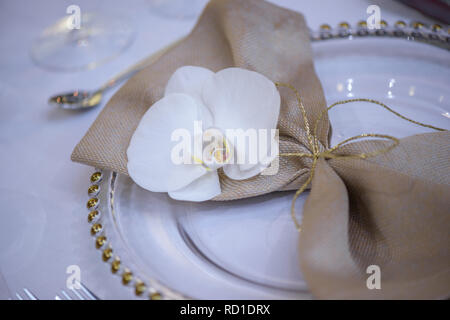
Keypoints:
pixel 329 153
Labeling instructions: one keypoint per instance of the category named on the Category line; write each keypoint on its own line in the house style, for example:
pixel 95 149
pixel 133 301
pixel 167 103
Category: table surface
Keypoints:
pixel 43 227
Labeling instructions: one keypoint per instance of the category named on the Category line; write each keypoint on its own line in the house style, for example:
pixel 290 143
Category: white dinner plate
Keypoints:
pixel 248 249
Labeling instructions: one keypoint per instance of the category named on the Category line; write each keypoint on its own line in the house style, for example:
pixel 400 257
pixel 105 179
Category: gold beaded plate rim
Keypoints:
pixel 152 289
pixel 120 265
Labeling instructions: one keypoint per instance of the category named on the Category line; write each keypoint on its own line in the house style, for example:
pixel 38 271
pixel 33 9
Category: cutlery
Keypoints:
pixel 82 294
pixel 27 295
pixel 87 99
pixel 72 294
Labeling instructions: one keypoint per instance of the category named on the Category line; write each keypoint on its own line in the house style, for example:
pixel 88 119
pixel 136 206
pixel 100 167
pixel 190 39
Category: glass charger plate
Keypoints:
pixel 248 249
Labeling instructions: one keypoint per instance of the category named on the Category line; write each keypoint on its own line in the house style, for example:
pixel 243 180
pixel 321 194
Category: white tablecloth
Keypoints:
pixel 43 227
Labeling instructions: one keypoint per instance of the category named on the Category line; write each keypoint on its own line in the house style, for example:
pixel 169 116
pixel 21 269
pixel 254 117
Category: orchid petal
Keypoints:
pixel 204 188
pixel 242 99
pixel 242 172
pixel 150 163
pixel 190 80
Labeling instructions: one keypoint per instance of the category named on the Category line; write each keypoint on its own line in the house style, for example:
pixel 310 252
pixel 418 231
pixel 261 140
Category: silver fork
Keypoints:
pixel 27 295
pixel 81 294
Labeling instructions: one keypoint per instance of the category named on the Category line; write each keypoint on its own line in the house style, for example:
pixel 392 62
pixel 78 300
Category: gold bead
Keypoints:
pixel 100 241
pixel 400 24
pixel 127 276
pixel 155 296
pixel 325 27
pixel 383 23
pixel 436 27
pixel 92 215
pixel 92 203
pixel 93 190
pixel 107 254
pixel 418 25
pixel 96 176
pixel 344 25
pixel 362 24
pixel 115 265
pixel 96 228
pixel 139 288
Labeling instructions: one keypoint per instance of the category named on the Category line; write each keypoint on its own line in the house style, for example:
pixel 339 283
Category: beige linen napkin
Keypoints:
pixel 392 210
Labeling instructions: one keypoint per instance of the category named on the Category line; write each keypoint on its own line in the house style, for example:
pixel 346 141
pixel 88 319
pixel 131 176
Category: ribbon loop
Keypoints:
pixel 329 153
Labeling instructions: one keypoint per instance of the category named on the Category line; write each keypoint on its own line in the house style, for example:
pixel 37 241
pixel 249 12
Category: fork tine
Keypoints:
pixel 66 295
pixel 29 294
pixel 87 292
pixel 80 297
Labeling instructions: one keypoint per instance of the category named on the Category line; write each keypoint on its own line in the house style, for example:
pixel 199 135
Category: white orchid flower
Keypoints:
pixel 230 99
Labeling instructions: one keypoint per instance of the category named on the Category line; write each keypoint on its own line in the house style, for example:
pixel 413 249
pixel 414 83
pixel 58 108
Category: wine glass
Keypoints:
pixel 82 42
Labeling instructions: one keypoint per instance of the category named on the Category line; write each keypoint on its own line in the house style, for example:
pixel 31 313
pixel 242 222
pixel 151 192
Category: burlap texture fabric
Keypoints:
pixel 392 210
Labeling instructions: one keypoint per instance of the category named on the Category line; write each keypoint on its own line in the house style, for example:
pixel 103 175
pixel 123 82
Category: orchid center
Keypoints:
pixel 217 150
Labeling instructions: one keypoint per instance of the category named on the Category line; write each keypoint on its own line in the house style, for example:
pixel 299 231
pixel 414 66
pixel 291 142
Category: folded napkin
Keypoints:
pixel 391 210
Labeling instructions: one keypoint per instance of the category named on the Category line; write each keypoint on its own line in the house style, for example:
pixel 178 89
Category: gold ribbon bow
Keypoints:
pixel 329 153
